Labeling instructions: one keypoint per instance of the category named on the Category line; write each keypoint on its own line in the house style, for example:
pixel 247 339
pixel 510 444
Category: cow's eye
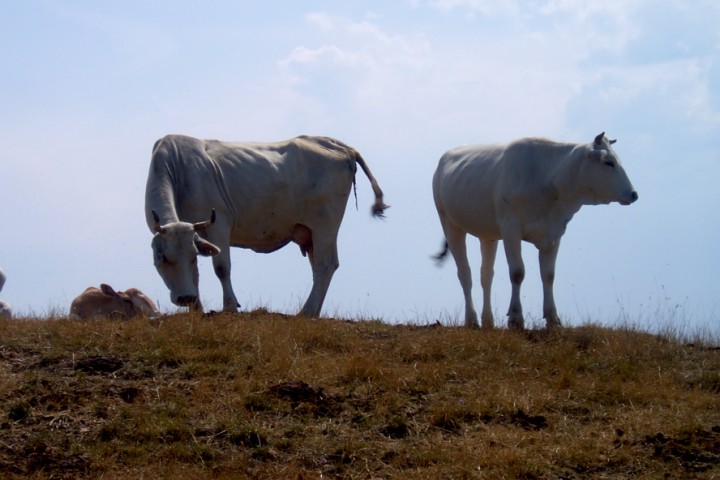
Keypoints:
pixel 610 163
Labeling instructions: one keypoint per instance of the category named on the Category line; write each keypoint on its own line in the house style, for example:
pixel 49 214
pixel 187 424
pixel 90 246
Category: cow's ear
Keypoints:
pixel 205 248
pixel 108 290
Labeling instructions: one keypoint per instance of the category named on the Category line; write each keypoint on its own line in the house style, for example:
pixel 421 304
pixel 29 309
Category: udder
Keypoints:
pixel 302 235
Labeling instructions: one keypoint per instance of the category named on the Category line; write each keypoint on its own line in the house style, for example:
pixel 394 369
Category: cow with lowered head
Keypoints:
pixel 262 196
pixel 102 302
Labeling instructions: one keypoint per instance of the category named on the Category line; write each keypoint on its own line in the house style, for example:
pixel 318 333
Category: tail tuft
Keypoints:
pixel 440 257
pixel 378 208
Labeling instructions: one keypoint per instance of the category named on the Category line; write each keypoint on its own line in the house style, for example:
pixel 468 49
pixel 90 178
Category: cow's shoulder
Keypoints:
pixel 176 140
pixel 172 149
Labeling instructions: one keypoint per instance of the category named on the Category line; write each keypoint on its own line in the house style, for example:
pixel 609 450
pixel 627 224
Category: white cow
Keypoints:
pixel 5 308
pixel 262 197
pixel 528 190
pixel 106 302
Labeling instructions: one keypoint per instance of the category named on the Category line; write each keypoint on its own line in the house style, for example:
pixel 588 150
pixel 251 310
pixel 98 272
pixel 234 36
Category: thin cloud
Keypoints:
pixel 327 54
pixel 488 8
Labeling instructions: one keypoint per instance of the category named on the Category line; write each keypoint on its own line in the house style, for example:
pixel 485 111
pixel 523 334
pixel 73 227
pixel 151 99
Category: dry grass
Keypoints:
pixel 260 395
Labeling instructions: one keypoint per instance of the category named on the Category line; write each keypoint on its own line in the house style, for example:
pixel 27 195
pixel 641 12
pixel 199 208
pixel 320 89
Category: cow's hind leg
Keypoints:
pixel 321 249
pixel 488 250
pixel 456 243
pixel 547 257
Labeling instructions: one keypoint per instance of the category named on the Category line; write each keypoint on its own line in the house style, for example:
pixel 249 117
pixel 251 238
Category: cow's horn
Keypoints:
pixel 206 223
pixel 598 139
pixel 157 227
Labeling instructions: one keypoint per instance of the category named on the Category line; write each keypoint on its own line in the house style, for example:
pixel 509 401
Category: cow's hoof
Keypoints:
pixel 516 324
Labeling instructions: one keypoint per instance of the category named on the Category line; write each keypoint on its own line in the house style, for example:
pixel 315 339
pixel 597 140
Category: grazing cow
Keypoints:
pixel 262 196
pixel 5 308
pixel 106 302
pixel 528 190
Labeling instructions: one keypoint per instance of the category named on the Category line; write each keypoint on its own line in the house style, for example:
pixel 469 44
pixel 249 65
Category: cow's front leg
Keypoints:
pixel 488 250
pixel 221 265
pixel 548 256
pixel 324 262
pixel 513 253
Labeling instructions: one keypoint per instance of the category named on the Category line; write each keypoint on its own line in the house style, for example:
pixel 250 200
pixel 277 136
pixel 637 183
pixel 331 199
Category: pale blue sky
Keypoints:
pixel 88 86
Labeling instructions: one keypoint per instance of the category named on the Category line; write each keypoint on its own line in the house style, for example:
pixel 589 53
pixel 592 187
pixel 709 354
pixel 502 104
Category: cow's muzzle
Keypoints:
pixel 633 198
pixel 186 300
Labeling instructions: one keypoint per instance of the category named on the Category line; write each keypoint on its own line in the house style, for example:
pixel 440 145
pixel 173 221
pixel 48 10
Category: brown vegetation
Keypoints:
pixel 261 395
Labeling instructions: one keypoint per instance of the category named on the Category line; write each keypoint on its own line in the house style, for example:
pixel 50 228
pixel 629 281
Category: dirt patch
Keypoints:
pixel 301 394
pixel 696 451
pixel 99 364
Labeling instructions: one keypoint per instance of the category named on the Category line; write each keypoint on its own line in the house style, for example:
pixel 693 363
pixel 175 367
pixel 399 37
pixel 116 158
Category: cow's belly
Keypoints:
pixel 262 238
pixel 479 223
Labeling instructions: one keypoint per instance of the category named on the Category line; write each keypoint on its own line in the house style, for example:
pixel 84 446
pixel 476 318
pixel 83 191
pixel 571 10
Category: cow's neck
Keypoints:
pixel 571 194
pixel 160 192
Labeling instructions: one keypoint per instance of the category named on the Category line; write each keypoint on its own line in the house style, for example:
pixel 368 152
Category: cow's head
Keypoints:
pixel 142 303
pixel 112 303
pixel 175 249
pixel 605 176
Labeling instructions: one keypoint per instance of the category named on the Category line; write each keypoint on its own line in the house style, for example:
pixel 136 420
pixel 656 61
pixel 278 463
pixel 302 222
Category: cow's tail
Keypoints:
pixel 378 208
pixel 440 257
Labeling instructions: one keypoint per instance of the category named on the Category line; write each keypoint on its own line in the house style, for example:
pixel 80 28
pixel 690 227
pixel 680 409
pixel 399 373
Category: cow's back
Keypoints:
pixel 300 163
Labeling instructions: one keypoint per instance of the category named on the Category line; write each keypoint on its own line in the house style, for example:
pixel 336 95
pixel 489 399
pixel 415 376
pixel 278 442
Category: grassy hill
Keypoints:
pixel 261 395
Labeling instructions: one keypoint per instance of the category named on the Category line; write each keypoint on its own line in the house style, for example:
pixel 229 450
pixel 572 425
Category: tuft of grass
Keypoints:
pixel 265 395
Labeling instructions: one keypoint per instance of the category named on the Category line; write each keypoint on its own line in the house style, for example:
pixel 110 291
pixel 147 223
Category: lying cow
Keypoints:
pixel 262 196
pixel 106 302
pixel 527 190
pixel 5 308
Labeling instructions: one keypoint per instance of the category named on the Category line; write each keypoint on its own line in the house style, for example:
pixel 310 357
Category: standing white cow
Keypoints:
pixel 262 197
pixel 5 308
pixel 528 190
